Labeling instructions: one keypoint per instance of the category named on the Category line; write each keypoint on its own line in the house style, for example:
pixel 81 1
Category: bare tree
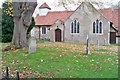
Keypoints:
pixel 98 3
pixel 22 13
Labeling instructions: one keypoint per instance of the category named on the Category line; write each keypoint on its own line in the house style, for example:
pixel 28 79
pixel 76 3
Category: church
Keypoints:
pixel 75 26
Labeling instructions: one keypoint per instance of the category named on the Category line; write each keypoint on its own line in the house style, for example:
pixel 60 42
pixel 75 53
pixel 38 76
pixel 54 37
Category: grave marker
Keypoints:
pixel 88 46
pixel 32 42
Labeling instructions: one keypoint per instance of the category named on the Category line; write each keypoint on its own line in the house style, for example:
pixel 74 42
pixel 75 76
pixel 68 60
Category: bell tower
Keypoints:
pixel 44 9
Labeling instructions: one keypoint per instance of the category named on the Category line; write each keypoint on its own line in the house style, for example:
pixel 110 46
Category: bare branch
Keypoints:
pixel 98 3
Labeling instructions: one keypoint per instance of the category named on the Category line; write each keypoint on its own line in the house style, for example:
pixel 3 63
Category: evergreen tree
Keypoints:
pixel 0 24
pixel 7 22
pixel 31 26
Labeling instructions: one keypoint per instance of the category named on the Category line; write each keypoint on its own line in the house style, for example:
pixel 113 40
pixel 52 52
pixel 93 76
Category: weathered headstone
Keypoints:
pixel 88 46
pixel 32 42
pixel 104 41
pixel 98 45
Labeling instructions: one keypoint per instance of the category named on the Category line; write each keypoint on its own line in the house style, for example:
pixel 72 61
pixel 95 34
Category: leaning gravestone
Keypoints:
pixel 88 46
pixel 32 41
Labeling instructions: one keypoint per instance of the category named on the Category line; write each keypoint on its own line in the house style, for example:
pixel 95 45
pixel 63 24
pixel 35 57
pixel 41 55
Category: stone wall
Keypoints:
pixel 58 25
pixel 86 14
pixel 38 33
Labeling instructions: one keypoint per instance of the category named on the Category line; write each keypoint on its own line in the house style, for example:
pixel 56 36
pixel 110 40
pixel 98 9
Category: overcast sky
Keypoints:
pixel 53 4
pixel 54 7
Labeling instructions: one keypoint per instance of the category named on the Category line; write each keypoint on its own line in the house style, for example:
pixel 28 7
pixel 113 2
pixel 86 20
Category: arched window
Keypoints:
pixel 93 27
pixel 75 22
pixel 75 27
pixel 97 26
pixel 100 27
pixel 78 24
pixel 72 27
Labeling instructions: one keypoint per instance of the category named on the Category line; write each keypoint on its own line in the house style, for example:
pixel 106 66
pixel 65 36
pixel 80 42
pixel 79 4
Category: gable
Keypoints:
pixel 44 5
pixel 86 9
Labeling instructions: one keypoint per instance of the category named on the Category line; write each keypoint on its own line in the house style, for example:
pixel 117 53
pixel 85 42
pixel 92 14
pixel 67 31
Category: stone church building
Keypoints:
pixel 74 26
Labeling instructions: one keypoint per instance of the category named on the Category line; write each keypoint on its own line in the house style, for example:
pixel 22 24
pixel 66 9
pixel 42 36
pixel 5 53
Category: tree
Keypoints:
pixel 31 26
pixel 22 14
pixel 115 6
pixel 0 24
pixel 7 22
pixel 98 3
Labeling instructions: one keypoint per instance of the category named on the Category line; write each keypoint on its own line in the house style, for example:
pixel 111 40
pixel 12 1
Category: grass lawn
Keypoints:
pixel 63 60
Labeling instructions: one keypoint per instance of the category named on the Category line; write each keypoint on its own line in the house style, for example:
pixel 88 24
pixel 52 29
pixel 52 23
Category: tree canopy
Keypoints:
pixel 7 22
pixel 9 7
pixel 0 24
pixel 98 3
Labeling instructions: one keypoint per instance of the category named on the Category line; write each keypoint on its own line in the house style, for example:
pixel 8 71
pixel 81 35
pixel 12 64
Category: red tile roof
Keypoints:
pixel 44 5
pixel 52 17
pixel 111 15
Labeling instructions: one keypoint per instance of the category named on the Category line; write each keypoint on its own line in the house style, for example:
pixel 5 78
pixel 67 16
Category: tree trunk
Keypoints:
pixel 20 31
pixel 22 13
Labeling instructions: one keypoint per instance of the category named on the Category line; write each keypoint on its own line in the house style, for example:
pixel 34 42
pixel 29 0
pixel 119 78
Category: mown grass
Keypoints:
pixel 41 41
pixel 63 60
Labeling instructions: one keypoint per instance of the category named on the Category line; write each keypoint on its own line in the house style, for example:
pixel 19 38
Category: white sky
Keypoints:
pixel 54 7
pixel 53 4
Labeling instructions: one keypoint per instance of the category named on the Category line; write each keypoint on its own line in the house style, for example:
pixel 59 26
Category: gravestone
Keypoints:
pixel 98 45
pixel 104 41
pixel 32 41
pixel 88 45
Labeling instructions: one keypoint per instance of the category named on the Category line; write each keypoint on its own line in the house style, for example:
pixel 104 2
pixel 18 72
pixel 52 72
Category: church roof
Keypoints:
pixel 44 5
pixel 111 15
pixel 52 17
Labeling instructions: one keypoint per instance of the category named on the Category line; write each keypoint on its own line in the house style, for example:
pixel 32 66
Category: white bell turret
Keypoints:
pixel 44 9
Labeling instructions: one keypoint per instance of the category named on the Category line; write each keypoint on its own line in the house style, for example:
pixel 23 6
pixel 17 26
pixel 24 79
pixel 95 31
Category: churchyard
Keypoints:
pixel 62 60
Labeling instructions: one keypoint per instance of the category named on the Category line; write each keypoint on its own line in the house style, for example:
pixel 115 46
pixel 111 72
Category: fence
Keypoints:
pixel 7 75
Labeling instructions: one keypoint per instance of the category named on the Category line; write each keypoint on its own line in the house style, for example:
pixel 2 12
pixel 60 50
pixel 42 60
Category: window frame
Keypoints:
pixel 101 27
pixel 44 33
pixel 98 28
pixel 74 31
pixel 72 27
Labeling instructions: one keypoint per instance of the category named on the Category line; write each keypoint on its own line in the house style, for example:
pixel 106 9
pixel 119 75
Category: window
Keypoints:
pixel 43 30
pixel 97 26
pixel 78 27
pixel 72 27
pixel 75 27
pixel 93 27
pixel 100 27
